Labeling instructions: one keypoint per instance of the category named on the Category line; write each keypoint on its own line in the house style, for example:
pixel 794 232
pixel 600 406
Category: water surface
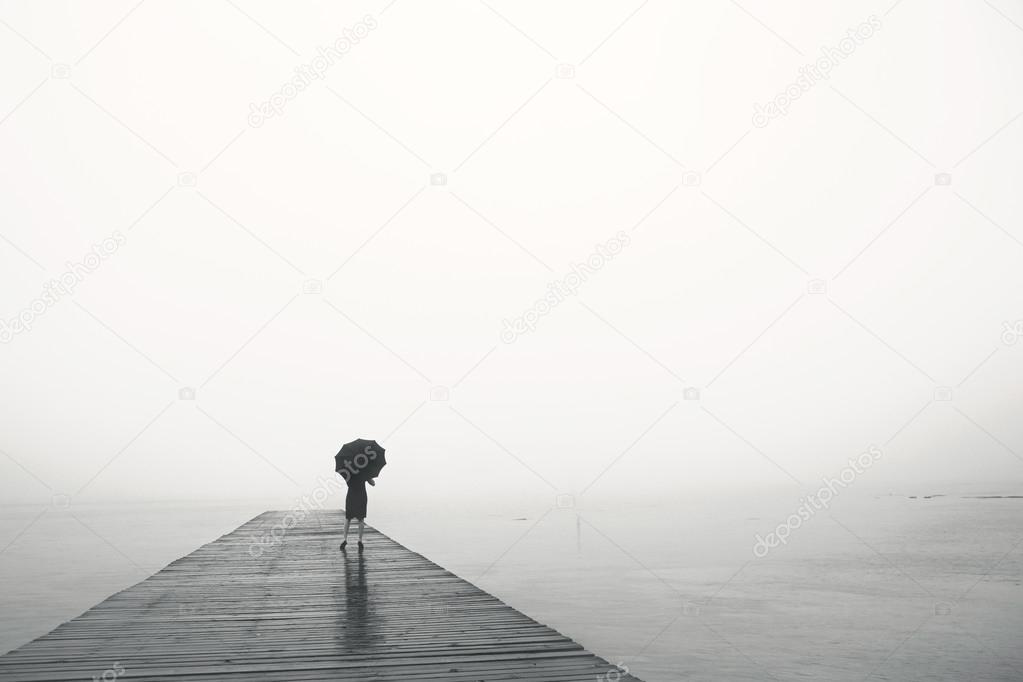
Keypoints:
pixel 887 587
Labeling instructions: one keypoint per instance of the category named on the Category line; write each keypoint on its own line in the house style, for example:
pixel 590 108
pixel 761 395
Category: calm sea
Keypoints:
pixel 887 586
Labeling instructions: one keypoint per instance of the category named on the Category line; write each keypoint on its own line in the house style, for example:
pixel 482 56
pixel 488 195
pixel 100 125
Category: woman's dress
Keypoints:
pixel 355 500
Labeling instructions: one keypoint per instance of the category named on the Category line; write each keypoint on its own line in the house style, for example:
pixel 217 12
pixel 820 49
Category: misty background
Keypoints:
pixel 845 276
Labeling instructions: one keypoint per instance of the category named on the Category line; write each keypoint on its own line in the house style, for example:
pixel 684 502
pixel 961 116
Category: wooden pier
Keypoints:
pixel 266 602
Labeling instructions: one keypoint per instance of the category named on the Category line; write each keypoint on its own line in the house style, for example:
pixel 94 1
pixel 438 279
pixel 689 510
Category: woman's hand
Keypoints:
pixel 372 481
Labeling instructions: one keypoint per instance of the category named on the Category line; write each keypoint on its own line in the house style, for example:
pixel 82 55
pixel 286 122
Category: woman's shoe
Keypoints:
pixel 360 545
pixel 343 545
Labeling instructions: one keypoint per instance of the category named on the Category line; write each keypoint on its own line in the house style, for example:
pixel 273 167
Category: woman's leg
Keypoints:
pixel 348 522
pixel 362 525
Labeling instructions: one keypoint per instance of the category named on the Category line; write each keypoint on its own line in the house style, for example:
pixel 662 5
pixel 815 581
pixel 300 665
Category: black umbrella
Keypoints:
pixel 360 459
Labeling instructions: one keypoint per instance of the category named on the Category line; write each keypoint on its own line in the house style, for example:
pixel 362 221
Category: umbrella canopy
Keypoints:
pixel 359 459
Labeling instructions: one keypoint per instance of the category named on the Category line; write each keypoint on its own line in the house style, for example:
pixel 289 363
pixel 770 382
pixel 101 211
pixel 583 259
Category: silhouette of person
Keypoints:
pixel 355 506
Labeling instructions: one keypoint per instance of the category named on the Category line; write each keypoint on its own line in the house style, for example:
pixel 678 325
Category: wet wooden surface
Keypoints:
pixel 268 603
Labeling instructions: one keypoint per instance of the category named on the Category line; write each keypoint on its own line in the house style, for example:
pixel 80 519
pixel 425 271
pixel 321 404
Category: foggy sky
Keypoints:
pixel 444 175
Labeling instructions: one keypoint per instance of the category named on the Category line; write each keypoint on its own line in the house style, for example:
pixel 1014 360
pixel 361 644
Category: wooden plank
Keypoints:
pixel 298 609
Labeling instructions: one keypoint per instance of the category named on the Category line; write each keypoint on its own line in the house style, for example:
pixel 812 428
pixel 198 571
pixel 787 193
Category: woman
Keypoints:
pixel 355 506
